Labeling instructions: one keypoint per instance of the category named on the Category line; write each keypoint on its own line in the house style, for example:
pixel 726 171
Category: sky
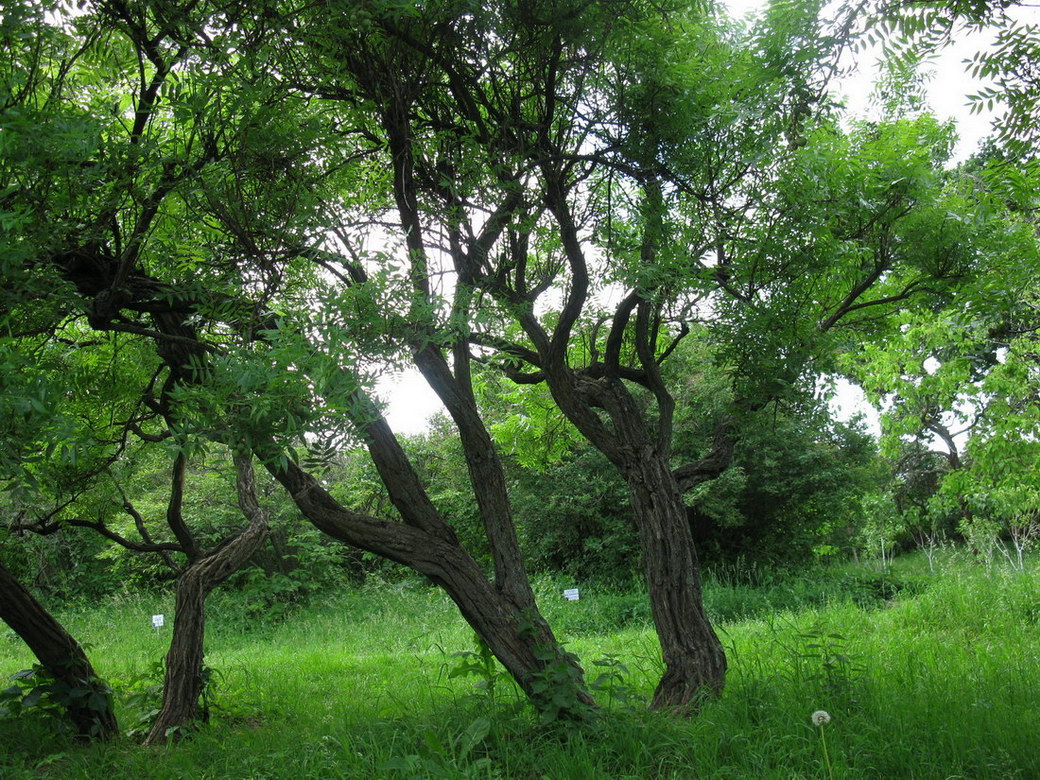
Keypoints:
pixel 410 402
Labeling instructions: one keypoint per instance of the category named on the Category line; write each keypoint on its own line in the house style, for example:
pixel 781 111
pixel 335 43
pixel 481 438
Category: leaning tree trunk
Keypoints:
pixel 516 633
pixel 520 638
pixel 183 681
pixel 59 654
pixel 694 659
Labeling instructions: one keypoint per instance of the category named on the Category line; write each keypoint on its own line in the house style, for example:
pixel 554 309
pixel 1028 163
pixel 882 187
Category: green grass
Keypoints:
pixel 925 676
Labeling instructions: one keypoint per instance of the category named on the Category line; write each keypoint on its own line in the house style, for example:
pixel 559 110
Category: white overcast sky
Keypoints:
pixel 410 402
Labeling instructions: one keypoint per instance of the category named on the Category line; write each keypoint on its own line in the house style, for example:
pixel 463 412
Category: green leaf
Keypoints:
pixel 474 734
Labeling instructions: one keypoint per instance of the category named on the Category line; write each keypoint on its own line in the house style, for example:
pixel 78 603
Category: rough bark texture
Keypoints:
pixel 183 681
pixel 695 662
pixel 57 651
pixel 694 659
pixel 486 475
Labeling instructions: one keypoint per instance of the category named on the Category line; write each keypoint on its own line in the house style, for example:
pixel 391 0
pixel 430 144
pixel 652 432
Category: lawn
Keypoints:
pixel 925 674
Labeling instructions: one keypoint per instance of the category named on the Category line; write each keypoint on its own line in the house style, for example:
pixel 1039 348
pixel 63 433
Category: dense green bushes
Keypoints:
pixel 792 492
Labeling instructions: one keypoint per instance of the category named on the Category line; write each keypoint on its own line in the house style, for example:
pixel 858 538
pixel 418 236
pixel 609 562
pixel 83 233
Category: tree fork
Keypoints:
pixel 183 682
pixel 695 661
pixel 520 638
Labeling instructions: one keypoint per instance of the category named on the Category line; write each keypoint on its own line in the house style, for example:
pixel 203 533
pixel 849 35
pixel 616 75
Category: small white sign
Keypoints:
pixel 158 621
pixel 571 594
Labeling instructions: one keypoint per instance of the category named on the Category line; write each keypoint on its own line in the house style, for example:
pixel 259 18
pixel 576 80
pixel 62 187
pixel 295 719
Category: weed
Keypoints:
pixel 449 760
pixel 613 682
pixel 479 663
pixel 831 666
pixel 37 690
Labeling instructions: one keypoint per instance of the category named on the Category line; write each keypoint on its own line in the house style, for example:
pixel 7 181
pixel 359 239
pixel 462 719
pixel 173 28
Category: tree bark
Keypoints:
pixel 486 475
pixel 694 659
pixel 183 682
pixel 58 653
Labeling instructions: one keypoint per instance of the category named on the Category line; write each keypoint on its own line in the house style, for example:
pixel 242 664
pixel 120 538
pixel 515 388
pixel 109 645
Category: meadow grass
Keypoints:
pixel 925 675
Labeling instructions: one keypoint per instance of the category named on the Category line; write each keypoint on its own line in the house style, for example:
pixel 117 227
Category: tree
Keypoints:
pixel 528 149
pixel 958 381
pixel 462 146
pixel 77 231
pixel 205 569
pixel 911 31
pixel 100 437
pixel 189 263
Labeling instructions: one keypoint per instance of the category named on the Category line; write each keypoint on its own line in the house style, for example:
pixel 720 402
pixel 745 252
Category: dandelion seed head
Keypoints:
pixel 821 718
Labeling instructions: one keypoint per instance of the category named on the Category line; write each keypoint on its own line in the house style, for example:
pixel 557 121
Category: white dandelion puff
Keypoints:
pixel 821 718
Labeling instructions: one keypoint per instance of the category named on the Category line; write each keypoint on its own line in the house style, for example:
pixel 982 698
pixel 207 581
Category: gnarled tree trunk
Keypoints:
pixel 58 653
pixel 517 635
pixel 694 659
pixel 183 681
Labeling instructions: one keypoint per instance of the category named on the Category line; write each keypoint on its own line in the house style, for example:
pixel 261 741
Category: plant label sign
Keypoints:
pixel 158 621
pixel 571 594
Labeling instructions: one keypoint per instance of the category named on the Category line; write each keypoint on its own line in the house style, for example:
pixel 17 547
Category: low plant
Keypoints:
pixel 38 691
pixel 479 663
pixel 613 683
pixel 821 718
pixel 447 760
pixel 830 665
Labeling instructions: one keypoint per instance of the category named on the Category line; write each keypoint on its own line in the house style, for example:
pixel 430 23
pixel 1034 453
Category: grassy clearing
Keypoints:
pixel 925 676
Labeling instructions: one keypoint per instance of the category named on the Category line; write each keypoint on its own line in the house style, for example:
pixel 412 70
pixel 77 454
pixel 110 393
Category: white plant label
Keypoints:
pixel 571 594
pixel 158 621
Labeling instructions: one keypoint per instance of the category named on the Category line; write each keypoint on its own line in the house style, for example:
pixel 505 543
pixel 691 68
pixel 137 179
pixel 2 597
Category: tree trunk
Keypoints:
pixel 486 475
pixel 694 659
pixel 519 637
pixel 58 653
pixel 504 613
pixel 183 682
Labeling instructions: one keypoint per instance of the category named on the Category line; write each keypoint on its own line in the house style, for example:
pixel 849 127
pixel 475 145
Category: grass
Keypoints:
pixel 924 676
